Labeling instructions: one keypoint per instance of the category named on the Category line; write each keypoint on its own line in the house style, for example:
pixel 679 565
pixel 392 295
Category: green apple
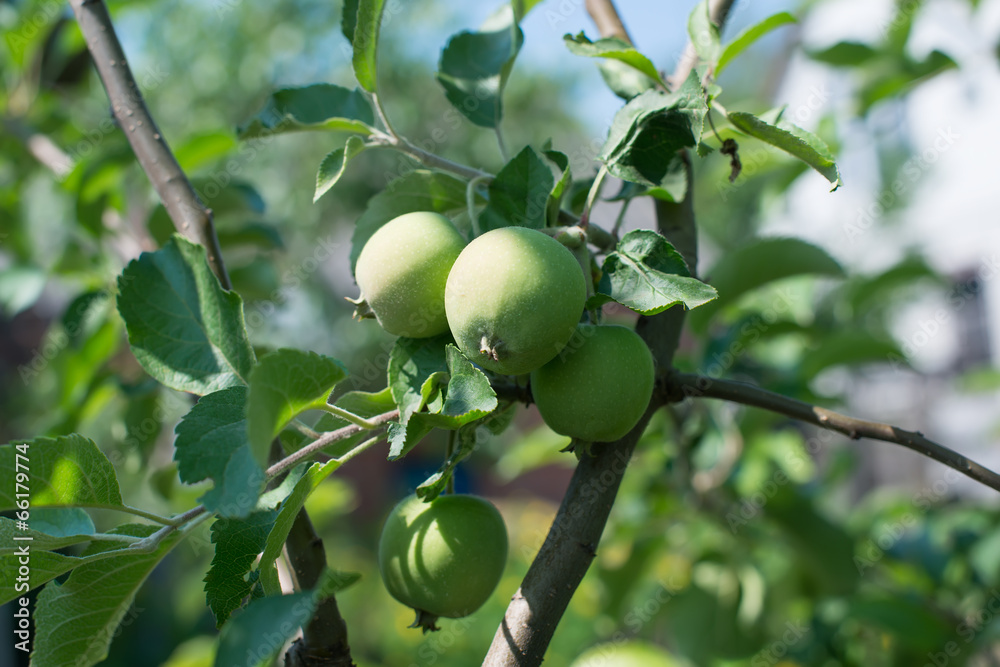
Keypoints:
pixel 442 558
pixel 513 299
pixel 629 653
pixel 598 386
pixel 402 271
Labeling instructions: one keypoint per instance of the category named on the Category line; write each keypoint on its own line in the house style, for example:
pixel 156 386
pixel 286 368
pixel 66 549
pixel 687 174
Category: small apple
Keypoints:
pixel 513 299
pixel 598 386
pixel 442 558
pixel 402 271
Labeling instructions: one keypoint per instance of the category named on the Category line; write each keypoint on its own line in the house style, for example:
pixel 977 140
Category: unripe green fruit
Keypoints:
pixel 443 558
pixel 513 299
pixel 598 387
pixel 626 654
pixel 402 271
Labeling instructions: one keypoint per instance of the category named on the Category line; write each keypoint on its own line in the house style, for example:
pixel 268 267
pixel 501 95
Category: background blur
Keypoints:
pixel 739 539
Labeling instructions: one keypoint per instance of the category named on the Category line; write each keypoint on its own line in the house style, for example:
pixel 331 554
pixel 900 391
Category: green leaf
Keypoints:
pixel 213 443
pixel 909 621
pixel 412 362
pixel 365 41
pixel 274 540
pixel 646 274
pixel 334 165
pixel 20 287
pixel 466 396
pixel 761 262
pixel 60 523
pixel 560 188
pixel 435 485
pixel 283 384
pixel 519 194
pixel 321 106
pixel 184 329
pixel 647 134
pixel 204 149
pixel 624 81
pixel 848 347
pixel 613 48
pixel 85 315
pixel 419 190
pixel 743 40
pixel 846 54
pixel 793 140
pixel 255 636
pixel 78 618
pixel 237 542
pixel 349 19
pixel 257 234
pixel 68 471
pixel 704 34
pixel 475 66
pixel 42 539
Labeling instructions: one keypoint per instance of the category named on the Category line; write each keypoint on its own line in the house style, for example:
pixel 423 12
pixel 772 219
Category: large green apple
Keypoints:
pixel 402 271
pixel 629 653
pixel 513 299
pixel 442 558
pixel 597 388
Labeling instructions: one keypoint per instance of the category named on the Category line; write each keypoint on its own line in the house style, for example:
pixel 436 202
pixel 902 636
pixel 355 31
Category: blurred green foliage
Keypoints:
pixel 738 538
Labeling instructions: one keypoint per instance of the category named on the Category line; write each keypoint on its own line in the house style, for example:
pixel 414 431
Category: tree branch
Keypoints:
pixel 189 215
pixel 324 639
pixel 718 12
pixel 570 546
pixel 566 554
pixel 605 17
pixel 691 385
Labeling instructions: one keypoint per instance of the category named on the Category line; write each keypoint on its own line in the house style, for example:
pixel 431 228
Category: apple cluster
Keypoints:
pixel 512 299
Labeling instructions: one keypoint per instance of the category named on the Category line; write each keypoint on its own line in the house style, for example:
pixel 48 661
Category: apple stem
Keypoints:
pixel 449 452
pixel 470 202
pixel 595 189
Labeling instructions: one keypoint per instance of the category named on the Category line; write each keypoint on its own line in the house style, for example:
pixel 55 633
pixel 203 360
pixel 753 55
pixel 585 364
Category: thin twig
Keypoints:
pixel 501 144
pixel 428 159
pixel 187 212
pixel 688 384
pixel 470 203
pixel 325 440
pixel 595 190
pixel 384 117
pixel 150 544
